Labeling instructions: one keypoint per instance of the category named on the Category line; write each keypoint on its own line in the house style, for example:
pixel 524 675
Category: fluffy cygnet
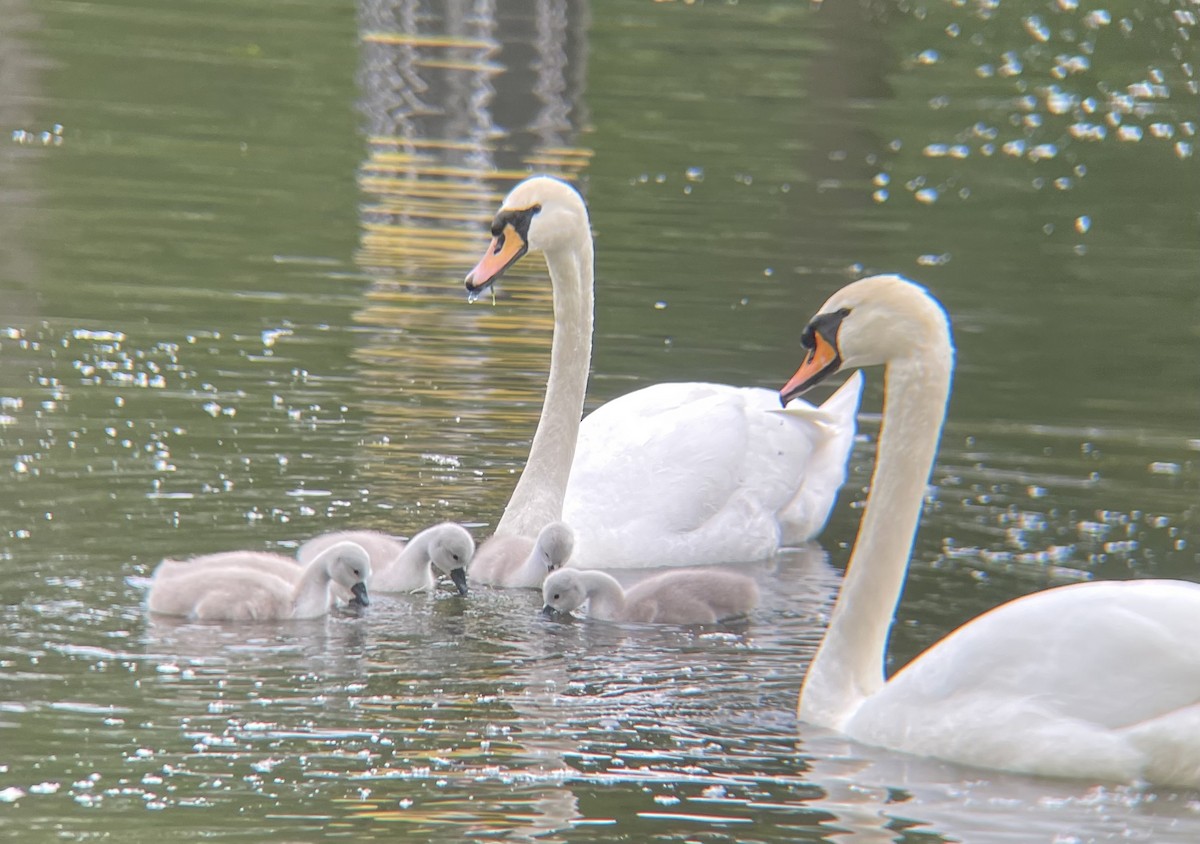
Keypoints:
pixel 245 588
pixel 399 566
pixel 682 596
pixel 518 561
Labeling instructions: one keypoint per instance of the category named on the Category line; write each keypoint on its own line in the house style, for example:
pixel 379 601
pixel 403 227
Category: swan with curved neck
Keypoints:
pixel 676 474
pixel 1095 680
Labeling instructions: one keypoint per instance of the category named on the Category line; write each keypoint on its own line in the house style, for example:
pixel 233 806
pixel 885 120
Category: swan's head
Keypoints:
pixel 542 214
pixel 554 545
pixel 450 550
pixel 562 591
pixel 349 566
pixel 880 319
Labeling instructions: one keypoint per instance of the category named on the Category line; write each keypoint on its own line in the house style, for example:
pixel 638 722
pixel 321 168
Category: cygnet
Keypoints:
pixel 400 566
pixel 251 592
pixel 518 561
pixel 681 596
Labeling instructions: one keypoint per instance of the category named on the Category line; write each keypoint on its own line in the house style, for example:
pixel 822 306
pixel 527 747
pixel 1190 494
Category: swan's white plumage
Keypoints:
pixel 696 473
pixel 1095 680
pixel 1054 683
pixel 672 474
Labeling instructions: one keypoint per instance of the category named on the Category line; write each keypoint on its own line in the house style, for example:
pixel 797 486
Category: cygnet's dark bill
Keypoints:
pixel 459 578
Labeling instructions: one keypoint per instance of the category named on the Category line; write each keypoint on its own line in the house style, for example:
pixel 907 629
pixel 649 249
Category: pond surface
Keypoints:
pixel 232 239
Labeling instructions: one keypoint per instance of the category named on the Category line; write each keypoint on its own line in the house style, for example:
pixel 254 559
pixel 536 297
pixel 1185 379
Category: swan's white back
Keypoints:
pixel 695 473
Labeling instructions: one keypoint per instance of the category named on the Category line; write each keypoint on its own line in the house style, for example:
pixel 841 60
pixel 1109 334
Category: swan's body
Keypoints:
pixel 399 566
pixel 248 590
pixel 674 473
pixel 1095 680
pixel 696 473
pixel 500 561
pixel 684 596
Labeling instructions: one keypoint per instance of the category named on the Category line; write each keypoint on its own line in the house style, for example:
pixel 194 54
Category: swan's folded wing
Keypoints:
pixel 686 473
pixel 1074 670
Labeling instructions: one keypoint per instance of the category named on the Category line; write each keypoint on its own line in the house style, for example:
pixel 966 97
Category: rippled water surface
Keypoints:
pixel 232 238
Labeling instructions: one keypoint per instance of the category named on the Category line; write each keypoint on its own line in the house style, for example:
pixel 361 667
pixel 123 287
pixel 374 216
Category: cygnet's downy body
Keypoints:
pixel 240 592
pixel 411 566
pixel 683 596
pixel 519 562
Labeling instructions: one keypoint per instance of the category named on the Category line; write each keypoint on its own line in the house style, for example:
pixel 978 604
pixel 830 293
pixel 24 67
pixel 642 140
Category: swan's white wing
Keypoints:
pixel 1083 680
pixel 691 473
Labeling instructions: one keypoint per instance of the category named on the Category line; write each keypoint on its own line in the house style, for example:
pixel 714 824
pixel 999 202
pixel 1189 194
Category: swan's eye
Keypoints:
pixel 827 325
pixel 808 339
pixel 556 596
pixel 454 557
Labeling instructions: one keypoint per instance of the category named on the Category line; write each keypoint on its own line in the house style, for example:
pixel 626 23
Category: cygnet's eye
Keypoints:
pixel 454 556
pixel 556 596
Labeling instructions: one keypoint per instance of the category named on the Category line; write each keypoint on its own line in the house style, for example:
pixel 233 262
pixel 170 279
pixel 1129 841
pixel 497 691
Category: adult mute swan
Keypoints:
pixel 678 474
pixel 1097 680
pixel 501 563
pixel 399 566
pixel 251 592
pixel 683 596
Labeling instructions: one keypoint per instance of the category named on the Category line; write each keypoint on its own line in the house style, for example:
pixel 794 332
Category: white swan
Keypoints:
pixel 399 566
pixel 673 473
pixel 500 561
pixel 250 592
pixel 683 596
pixel 1096 680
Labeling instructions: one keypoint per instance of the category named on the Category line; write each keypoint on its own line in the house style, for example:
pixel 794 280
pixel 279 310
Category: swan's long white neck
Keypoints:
pixel 848 667
pixel 538 496
pixel 606 598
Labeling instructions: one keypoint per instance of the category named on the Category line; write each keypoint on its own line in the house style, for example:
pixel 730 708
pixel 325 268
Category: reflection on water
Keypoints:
pixel 460 104
pixel 231 321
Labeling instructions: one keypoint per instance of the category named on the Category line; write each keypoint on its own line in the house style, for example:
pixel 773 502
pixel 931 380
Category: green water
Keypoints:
pixel 232 239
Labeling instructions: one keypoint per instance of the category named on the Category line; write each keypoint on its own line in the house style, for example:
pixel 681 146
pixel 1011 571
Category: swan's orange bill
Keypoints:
pixel 504 251
pixel 822 359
